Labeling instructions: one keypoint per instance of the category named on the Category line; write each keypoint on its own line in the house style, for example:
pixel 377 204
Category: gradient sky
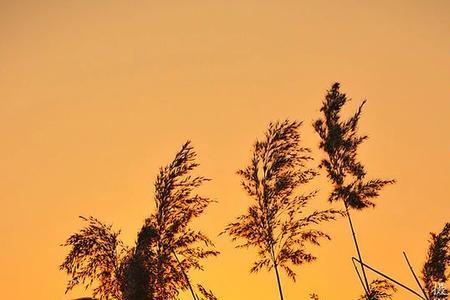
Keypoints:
pixel 96 95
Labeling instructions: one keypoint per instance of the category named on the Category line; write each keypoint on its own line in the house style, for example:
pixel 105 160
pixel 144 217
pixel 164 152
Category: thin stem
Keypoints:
pixel 263 205
pixel 275 266
pixel 415 277
pixel 359 276
pixel 280 290
pixel 367 289
pixel 194 296
pixel 389 278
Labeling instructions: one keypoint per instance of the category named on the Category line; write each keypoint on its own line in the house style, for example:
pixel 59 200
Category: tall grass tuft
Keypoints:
pixel 276 222
pixel 435 269
pixel 166 250
pixel 340 141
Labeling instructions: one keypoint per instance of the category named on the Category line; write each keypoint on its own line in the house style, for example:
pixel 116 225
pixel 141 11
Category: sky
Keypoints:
pixel 95 96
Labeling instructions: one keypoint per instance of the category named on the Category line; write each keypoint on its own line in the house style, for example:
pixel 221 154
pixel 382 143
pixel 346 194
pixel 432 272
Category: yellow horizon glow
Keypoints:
pixel 95 96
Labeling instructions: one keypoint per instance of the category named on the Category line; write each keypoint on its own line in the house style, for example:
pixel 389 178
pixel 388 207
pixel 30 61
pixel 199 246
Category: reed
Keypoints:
pixel 340 141
pixel 276 222
pixel 167 247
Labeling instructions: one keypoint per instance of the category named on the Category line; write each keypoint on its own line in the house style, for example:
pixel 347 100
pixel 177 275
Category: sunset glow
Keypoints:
pixel 96 96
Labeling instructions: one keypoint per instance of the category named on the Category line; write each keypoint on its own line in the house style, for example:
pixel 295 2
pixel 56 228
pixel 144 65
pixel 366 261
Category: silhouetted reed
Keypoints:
pixel 340 141
pixel 279 222
pixel 276 222
pixel 379 289
pixel 166 250
pixel 435 269
pixel 95 257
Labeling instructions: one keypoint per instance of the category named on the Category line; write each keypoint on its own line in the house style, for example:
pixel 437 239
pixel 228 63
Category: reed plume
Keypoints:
pixel 340 141
pixel 276 223
pixel 166 250
pixel 435 269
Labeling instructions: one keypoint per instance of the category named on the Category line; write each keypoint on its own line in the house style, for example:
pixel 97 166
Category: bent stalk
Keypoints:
pixel 415 277
pixel 389 278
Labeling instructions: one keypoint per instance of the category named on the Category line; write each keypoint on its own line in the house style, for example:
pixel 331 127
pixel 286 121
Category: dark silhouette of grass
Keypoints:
pixel 435 268
pixel 276 222
pixel 152 269
pixel 385 282
pixel 380 289
pixel 340 141
pixel 95 256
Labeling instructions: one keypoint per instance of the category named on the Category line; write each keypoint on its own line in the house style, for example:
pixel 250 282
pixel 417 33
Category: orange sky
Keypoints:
pixel 96 95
